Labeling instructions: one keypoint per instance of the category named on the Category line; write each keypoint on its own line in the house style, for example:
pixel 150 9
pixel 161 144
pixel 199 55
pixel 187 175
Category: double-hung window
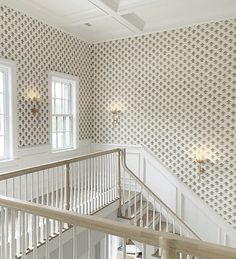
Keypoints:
pixel 6 107
pixel 63 113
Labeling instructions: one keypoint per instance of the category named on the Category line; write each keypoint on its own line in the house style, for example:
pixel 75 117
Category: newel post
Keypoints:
pixel 67 187
pixel 168 254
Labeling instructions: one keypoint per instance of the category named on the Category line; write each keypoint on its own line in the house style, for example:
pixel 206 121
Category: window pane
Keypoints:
pixel 60 123
pixel 68 139
pixel 58 108
pixel 60 140
pixel 2 146
pixel 1 124
pixel 1 81
pixel 1 104
pixel 68 124
pixel 58 90
pixel 54 124
pixel 67 91
pixel 54 140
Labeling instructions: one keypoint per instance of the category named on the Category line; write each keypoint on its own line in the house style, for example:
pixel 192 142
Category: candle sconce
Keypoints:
pixel 201 161
pixel 116 112
pixel 37 99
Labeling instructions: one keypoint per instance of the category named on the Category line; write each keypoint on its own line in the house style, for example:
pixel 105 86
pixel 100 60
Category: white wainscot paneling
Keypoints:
pixel 160 185
pixel 200 223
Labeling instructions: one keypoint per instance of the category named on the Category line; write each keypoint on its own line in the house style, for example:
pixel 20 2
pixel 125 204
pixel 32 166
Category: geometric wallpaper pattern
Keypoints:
pixel 177 93
pixel 176 89
pixel 38 48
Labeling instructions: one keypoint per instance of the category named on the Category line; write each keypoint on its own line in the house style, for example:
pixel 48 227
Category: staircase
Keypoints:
pixel 43 203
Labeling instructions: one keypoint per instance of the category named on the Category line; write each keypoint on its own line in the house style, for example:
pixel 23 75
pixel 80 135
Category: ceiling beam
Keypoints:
pixel 132 23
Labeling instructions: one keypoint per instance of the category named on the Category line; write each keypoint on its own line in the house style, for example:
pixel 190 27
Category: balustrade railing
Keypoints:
pixel 81 185
pixel 171 245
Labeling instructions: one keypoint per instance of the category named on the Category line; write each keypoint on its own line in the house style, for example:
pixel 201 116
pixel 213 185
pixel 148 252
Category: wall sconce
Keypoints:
pixel 37 99
pixel 201 161
pixel 116 111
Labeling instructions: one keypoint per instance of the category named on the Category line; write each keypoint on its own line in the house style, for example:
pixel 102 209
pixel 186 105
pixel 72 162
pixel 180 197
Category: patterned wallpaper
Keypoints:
pixel 177 92
pixel 38 48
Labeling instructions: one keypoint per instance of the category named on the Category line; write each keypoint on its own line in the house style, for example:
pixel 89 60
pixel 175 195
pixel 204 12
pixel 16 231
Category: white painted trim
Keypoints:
pixel 12 92
pixel 64 77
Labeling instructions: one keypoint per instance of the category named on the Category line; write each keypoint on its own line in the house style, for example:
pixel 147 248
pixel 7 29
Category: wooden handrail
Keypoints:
pixel 16 173
pixel 145 187
pixel 164 240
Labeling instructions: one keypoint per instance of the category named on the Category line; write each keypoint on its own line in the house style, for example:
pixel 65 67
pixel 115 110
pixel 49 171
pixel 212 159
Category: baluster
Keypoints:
pixel 89 244
pixel 48 187
pixel 47 239
pixel 160 219
pixel 53 199
pixel 82 186
pixel 42 199
pixel 34 237
pixel 124 248
pixel 78 186
pixel 37 188
pixel 100 181
pixel 114 172
pixel 93 178
pixel 86 182
pixel 13 238
pixel 62 188
pixel 154 215
pixel 129 202
pixel 167 221
pixel 6 232
pixel 23 236
pixel 60 241
pixel 104 181
pixel 72 188
pixel 144 251
pixel 135 203
pixel 13 187
pixel 141 208
pixel 124 207
pixel 67 187
pixel 147 215
pixel 89 186
pixel 106 246
pixel 95 182
pixel 173 224
pixel 109 165
pixel 74 240
pixel 3 255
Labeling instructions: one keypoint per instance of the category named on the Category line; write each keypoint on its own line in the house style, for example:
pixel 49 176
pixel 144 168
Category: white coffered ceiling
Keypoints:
pixel 101 20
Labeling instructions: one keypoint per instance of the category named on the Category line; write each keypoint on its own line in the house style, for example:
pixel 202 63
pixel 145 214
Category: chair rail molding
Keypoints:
pixel 179 197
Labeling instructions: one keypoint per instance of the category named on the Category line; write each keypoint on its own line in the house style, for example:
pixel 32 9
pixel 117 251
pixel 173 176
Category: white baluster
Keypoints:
pixel 48 179
pixel 100 181
pixel 124 249
pixel 147 215
pixel 89 244
pixel 34 241
pixel 167 222
pixel 129 202
pixel 153 215
pixel 82 186
pixel 23 235
pixel 47 255
pixel 144 249
pixel 135 203
pixel 106 247
pixel 13 238
pixel 6 233
pixel 3 255
pixel 74 240
pixel 60 241
pixel 89 186
pixel 141 208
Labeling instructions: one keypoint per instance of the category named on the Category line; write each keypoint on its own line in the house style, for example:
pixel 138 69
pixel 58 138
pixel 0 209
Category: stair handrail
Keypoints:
pixel 167 241
pixel 29 170
pixel 145 187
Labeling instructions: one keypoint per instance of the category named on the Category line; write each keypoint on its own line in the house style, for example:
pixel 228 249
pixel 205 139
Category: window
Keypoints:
pixel 6 105
pixel 63 113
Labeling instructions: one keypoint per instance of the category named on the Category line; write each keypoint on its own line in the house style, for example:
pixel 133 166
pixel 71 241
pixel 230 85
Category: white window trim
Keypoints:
pixel 52 74
pixel 13 143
